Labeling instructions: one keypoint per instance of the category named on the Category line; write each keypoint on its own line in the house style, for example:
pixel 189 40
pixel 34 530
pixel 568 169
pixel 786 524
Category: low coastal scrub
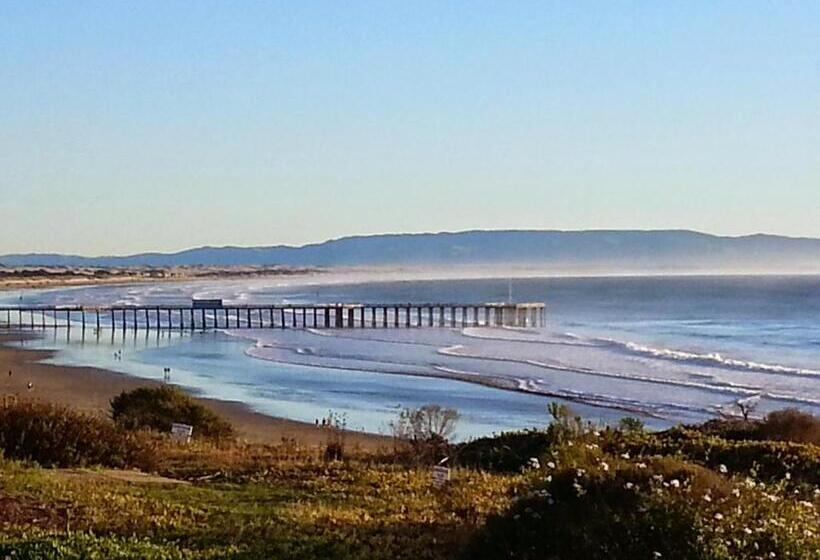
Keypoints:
pixel 157 408
pixel 789 425
pixel 663 508
pixel 53 436
pixel 570 491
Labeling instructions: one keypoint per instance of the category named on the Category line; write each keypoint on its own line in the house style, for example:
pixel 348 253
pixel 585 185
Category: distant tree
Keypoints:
pixel 427 430
pixel 747 406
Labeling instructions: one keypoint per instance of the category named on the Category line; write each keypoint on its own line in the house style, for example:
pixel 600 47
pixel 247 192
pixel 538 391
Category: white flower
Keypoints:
pixel 675 483
pixel 723 469
pixel 551 465
pixel 641 465
pixel 534 463
pixel 707 498
pixel 736 492
pixel 788 476
pixel 657 554
pixel 580 472
pixel 747 530
pixel 718 516
pixel 624 455
pixel 629 486
pixel 605 467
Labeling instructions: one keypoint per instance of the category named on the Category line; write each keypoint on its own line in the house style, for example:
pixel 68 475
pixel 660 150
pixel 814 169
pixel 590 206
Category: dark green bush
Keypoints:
pixel 663 509
pixel 508 452
pixel 54 436
pixel 156 408
pixel 764 460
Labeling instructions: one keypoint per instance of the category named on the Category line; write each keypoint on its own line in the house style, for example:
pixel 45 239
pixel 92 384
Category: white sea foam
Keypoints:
pixel 709 359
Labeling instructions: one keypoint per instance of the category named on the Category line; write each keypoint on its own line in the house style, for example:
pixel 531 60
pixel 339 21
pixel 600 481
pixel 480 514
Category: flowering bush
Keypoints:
pixel 662 508
pixel 765 460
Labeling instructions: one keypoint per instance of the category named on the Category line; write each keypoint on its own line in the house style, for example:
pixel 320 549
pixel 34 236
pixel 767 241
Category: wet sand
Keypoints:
pixel 91 389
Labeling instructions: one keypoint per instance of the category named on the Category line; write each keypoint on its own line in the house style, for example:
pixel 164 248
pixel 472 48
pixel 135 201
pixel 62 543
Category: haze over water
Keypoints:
pixel 666 349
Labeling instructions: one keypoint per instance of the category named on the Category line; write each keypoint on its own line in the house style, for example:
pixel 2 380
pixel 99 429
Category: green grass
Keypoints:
pixel 291 509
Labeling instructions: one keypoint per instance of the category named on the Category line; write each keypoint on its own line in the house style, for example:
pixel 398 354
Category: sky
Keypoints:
pixel 161 125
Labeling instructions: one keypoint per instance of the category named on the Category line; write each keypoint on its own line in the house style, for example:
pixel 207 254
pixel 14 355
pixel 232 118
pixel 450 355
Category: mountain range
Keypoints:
pixel 590 250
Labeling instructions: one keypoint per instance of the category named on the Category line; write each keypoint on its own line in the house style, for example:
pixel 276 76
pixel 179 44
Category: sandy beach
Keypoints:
pixel 91 389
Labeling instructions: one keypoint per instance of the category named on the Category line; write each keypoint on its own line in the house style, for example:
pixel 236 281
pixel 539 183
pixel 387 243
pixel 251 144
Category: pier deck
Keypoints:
pixel 313 316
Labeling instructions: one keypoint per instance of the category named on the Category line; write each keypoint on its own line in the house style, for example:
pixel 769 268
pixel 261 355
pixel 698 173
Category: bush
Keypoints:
pixel 424 433
pixel 765 460
pixel 156 408
pixel 791 425
pixel 508 452
pixel 666 509
pixel 54 436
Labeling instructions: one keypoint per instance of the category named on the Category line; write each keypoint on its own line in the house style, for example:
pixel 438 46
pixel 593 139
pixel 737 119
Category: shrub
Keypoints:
pixel 791 425
pixel 156 408
pixel 336 443
pixel 424 432
pixel 765 460
pixel 54 436
pixel 508 452
pixel 666 509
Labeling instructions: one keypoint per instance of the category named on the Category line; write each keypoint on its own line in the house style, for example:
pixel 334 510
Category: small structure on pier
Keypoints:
pixel 213 314
pixel 197 303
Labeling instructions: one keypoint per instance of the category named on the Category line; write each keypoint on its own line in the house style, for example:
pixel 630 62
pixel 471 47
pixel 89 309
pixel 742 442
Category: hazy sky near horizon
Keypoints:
pixel 132 126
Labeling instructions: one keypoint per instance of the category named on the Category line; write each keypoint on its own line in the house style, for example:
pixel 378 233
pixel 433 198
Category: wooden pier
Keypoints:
pixel 198 317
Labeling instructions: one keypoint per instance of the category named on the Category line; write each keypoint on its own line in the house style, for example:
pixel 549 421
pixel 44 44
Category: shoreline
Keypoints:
pixel 90 389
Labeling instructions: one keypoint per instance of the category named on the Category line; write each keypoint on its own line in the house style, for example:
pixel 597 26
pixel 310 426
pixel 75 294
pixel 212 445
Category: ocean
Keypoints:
pixel 667 350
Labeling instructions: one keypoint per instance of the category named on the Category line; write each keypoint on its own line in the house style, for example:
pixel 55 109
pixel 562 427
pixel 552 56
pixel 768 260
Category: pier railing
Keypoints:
pixel 304 316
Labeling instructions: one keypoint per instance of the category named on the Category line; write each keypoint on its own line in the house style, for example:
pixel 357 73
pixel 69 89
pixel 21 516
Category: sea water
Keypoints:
pixel 664 349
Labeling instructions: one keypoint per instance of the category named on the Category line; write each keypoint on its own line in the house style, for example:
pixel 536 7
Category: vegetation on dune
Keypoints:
pixel 569 491
pixel 54 436
pixel 157 408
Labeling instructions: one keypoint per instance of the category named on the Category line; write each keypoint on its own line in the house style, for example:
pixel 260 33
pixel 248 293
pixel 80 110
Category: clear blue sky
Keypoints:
pixel 130 126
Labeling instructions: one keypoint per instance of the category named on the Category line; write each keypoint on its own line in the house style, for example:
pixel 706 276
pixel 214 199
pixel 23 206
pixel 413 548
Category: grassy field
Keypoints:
pixel 268 508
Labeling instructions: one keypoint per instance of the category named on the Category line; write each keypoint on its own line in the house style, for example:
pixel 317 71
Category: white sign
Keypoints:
pixel 181 432
pixel 441 475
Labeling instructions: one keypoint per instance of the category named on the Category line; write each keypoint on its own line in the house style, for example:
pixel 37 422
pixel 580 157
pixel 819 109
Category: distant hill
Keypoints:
pixel 596 250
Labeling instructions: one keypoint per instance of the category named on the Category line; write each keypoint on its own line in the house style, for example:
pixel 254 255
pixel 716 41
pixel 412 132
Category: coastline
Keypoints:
pixel 90 390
